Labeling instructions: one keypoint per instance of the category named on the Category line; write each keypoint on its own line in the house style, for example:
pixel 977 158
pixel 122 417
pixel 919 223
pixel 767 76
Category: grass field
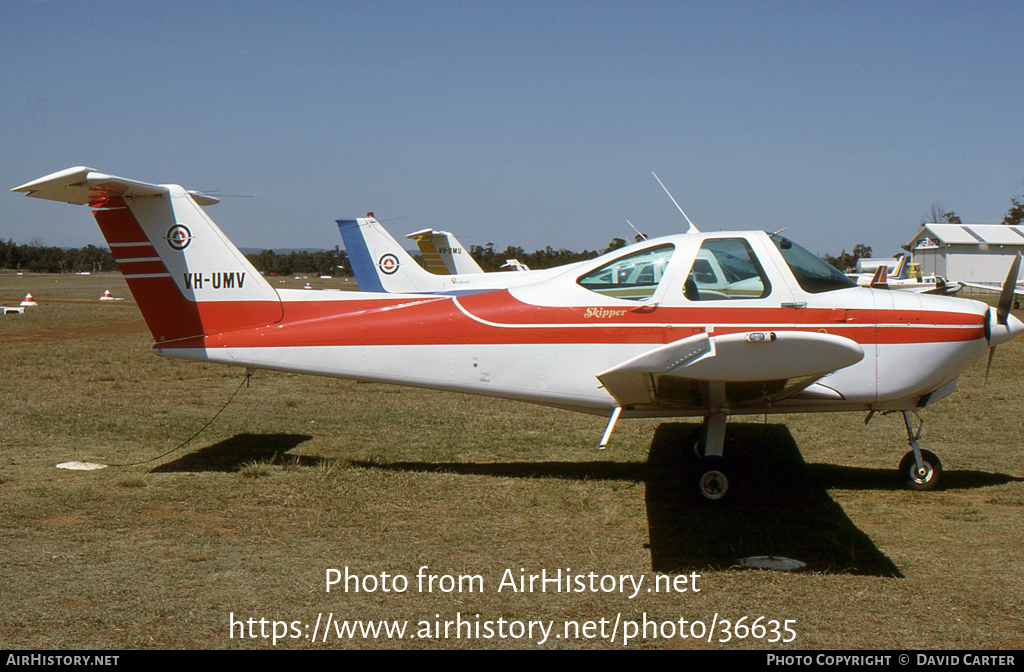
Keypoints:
pixel 300 475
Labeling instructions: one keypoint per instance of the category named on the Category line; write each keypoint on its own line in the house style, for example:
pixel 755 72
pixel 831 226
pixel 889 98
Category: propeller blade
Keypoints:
pixel 991 354
pixel 1006 296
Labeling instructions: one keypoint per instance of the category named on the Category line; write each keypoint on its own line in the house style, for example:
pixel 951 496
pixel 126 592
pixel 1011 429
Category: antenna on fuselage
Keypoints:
pixel 692 229
pixel 639 236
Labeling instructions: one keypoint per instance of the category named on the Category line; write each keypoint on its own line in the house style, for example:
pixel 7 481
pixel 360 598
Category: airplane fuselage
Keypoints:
pixel 545 343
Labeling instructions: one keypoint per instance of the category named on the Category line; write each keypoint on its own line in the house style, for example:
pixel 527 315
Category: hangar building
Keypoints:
pixel 967 252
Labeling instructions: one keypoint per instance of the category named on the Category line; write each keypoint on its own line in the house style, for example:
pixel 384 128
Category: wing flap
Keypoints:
pixel 740 361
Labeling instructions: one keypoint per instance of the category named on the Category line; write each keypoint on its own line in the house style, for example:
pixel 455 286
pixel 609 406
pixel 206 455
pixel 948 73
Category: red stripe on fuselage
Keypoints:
pixel 498 318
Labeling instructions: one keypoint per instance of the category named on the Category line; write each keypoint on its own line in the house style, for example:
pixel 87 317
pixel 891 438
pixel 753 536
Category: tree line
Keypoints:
pixel 36 257
pixel 491 260
pixel 301 262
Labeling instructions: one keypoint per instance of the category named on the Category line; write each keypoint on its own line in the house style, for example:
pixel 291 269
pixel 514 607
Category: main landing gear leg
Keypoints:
pixel 919 469
pixel 716 478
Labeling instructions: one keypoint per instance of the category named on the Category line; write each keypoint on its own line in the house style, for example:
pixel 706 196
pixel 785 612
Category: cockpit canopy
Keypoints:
pixel 724 268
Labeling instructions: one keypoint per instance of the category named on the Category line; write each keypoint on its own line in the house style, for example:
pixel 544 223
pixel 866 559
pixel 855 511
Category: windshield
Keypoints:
pixel 813 274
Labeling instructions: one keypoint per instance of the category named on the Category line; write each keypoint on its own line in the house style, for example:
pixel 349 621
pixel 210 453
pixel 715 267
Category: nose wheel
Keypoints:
pixel 924 477
pixel 919 469
pixel 714 484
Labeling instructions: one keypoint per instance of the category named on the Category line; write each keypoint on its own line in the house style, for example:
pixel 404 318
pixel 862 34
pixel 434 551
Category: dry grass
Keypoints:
pixel 302 474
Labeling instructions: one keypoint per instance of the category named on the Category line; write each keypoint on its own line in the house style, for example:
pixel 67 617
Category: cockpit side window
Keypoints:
pixel 634 277
pixel 726 268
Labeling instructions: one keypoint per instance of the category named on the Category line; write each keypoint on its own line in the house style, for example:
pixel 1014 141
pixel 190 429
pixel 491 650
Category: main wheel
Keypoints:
pixel 925 479
pixel 714 483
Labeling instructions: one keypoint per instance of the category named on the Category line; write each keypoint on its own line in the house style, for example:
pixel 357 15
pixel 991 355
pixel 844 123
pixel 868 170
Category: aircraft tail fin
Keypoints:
pixel 900 272
pixel 881 278
pixel 380 264
pixel 443 254
pixel 188 279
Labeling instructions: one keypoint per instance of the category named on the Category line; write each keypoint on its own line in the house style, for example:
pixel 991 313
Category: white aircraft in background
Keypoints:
pixel 380 264
pixel 443 254
pixel 871 268
pixel 631 333
pixel 898 279
pixel 942 285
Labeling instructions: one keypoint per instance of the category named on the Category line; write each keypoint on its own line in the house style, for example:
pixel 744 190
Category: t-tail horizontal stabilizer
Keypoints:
pixel 443 254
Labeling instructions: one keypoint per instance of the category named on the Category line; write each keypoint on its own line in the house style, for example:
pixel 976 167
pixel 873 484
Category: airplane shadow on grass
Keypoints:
pixel 782 506
pixel 232 454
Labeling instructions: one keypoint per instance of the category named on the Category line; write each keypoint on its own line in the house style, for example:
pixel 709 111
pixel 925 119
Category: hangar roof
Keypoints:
pixel 936 235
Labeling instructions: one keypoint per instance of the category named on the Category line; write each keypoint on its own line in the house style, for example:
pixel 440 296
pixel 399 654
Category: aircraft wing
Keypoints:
pixel 82 185
pixel 744 368
pixel 1018 289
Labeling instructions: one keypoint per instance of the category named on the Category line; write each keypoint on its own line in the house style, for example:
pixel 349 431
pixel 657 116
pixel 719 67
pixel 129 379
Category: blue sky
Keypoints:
pixel 521 123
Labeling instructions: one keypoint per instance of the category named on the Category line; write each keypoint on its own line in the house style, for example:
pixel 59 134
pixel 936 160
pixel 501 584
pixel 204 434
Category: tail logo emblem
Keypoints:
pixel 178 237
pixel 387 264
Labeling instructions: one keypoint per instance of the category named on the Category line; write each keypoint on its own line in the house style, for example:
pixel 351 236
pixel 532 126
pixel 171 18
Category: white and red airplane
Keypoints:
pixel 650 330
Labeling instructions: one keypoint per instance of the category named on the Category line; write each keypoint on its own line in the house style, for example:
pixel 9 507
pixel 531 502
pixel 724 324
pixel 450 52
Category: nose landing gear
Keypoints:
pixel 717 478
pixel 919 469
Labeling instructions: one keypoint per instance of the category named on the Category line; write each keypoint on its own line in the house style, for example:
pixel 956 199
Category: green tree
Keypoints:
pixel 1016 214
pixel 617 243
pixel 847 262
pixel 491 260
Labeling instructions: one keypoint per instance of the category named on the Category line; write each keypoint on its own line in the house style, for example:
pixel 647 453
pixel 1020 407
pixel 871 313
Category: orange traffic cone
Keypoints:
pixel 107 296
pixel 29 301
